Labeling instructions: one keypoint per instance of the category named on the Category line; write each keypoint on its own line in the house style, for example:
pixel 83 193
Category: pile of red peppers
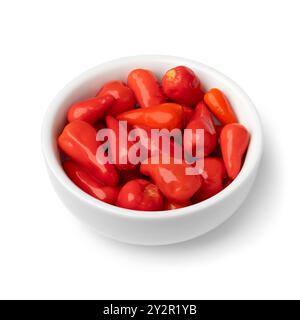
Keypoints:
pixel 178 101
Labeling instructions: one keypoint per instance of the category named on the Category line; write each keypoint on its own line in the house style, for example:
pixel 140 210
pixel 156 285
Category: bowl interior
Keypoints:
pixel 87 85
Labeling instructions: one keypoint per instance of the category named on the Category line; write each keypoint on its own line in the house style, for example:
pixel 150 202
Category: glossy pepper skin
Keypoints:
pixel 78 141
pixel 120 151
pixel 220 106
pixel 213 175
pixel 172 180
pixel 146 88
pixel 140 195
pixel 234 143
pixel 166 115
pixel 124 97
pixel 202 119
pixel 90 110
pixel 89 184
pixel 181 85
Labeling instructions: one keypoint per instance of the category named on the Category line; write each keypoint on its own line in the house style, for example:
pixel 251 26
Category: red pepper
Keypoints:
pixel 78 141
pixel 140 195
pixel 146 88
pixel 213 175
pixel 181 85
pixel 124 97
pixel 90 110
pixel 234 143
pixel 172 180
pixel 164 116
pixel 120 150
pixel 89 184
pixel 220 106
pixel 202 119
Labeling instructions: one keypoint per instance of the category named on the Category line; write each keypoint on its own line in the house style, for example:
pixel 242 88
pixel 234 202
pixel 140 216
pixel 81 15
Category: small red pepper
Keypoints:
pixel 120 150
pixel 172 180
pixel 124 97
pixel 181 85
pixel 213 175
pixel 234 143
pixel 89 184
pixel 78 141
pixel 220 106
pixel 140 195
pixel 90 110
pixel 145 87
pixel 164 116
pixel 202 119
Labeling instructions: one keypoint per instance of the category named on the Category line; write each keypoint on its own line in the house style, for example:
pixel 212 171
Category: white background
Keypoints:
pixel 45 252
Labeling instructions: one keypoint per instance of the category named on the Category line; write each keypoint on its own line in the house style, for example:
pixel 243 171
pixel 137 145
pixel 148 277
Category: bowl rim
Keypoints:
pixel 53 165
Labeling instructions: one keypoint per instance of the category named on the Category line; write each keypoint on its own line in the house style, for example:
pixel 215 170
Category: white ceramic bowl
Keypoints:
pixel 150 228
